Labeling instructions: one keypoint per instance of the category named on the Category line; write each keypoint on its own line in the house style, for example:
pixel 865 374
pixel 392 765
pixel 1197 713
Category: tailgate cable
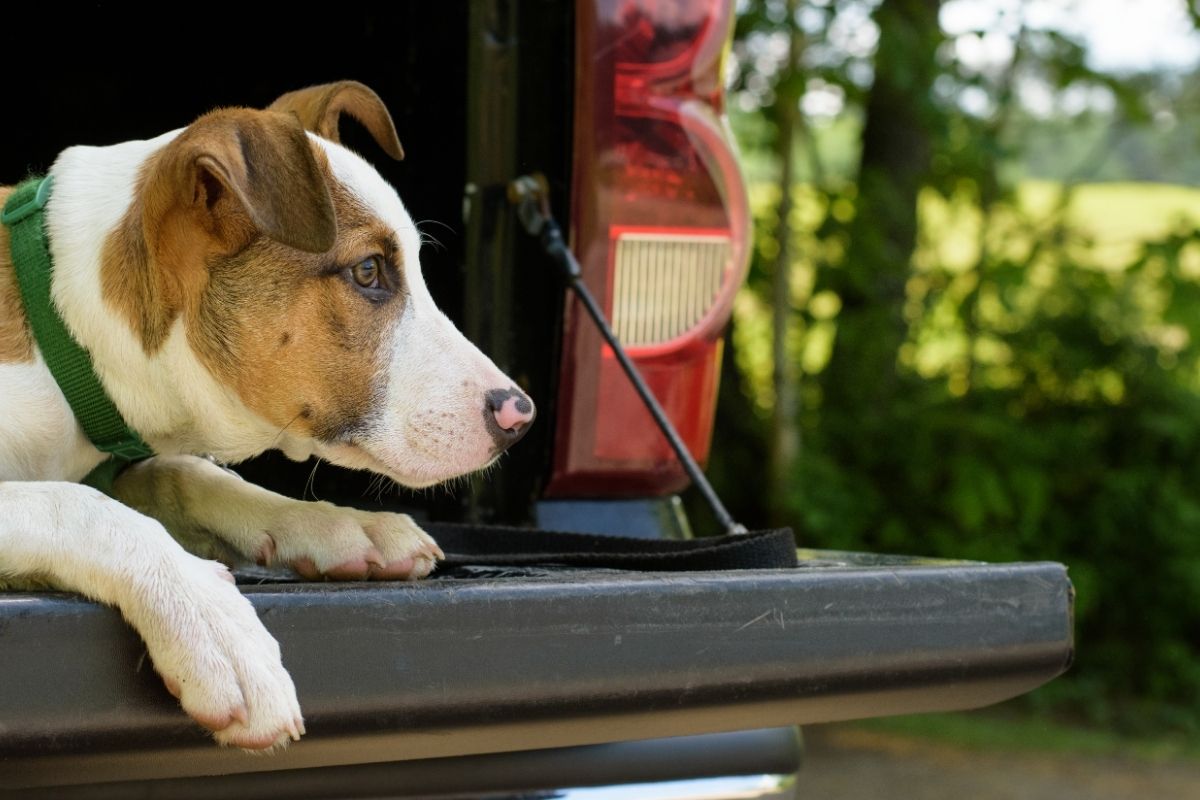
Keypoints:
pixel 531 195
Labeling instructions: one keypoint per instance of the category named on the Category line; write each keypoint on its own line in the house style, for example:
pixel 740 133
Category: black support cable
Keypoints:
pixel 529 194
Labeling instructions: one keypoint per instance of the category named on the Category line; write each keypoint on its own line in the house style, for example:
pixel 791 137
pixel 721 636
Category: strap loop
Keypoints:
pixel 26 199
pixel 498 545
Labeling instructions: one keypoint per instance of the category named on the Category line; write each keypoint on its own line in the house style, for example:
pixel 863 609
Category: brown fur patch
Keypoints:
pixel 16 340
pixel 146 297
pixel 320 377
pixel 232 175
pixel 282 327
pixel 320 108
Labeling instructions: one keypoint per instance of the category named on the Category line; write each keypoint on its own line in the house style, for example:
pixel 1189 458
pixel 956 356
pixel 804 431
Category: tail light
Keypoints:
pixel 660 223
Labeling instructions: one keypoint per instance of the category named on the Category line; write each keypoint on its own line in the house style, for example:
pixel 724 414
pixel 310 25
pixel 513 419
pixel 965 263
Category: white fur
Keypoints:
pixel 263 526
pixel 203 636
pixel 41 438
pixel 428 429
pixel 169 398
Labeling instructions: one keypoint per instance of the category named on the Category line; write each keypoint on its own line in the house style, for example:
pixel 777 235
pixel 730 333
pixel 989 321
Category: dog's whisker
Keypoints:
pixel 434 222
pixel 429 238
pixel 385 484
pixel 275 441
pixel 310 484
pixel 376 487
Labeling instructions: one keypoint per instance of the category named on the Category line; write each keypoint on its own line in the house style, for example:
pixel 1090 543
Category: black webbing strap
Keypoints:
pixel 488 545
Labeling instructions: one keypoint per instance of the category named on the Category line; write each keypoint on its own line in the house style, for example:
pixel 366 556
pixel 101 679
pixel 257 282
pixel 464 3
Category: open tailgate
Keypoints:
pixel 487 661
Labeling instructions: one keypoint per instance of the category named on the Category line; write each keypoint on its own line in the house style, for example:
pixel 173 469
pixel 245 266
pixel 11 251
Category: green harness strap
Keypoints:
pixel 69 363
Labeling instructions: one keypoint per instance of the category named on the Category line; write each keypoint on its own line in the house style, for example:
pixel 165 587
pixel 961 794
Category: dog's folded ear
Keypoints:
pixel 320 108
pixel 240 168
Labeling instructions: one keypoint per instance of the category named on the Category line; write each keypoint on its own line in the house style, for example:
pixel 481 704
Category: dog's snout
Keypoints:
pixel 508 414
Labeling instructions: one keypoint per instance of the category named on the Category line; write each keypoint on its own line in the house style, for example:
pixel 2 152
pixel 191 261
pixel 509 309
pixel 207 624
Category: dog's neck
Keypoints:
pixel 168 397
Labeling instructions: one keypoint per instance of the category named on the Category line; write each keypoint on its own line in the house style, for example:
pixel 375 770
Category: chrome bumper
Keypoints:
pixel 737 787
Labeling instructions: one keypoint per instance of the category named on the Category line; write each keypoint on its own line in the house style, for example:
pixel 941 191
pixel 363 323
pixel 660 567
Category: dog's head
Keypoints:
pixel 294 270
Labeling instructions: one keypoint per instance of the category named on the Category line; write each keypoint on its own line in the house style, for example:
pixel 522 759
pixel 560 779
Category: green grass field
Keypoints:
pixel 1016 731
pixel 1103 225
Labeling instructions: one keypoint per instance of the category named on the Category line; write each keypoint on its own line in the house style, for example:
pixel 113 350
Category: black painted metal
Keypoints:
pixel 518 96
pixel 459 667
pixel 536 773
pixel 643 517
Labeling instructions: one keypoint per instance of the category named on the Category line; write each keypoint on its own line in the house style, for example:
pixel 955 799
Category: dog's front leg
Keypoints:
pixel 212 511
pixel 203 636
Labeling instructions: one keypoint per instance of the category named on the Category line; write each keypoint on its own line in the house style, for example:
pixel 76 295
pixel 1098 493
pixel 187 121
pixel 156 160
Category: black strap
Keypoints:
pixel 497 545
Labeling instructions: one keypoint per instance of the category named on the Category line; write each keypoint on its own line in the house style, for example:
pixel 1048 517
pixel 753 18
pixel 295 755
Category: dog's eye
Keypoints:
pixel 366 273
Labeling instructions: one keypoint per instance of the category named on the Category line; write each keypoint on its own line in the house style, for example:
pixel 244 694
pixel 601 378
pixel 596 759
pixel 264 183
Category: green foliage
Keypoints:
pixel 1036 421
pixel 1020 379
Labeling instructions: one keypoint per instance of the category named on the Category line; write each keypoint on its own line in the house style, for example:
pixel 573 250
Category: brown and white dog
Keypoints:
pixel 242 284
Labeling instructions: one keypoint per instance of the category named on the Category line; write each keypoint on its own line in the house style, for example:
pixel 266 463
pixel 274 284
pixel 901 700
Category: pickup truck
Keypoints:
pixel 531 681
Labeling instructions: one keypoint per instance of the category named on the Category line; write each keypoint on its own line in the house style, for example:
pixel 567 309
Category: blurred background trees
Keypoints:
pixel 972 324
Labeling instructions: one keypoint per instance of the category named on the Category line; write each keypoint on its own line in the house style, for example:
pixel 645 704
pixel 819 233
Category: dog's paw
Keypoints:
pixel 216 657
pixel 321 540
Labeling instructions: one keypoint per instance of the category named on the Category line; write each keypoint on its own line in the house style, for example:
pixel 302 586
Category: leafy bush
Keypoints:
pixel 1046 407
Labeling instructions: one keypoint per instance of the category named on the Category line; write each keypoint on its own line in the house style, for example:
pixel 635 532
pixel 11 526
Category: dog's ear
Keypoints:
pixel 242 171
pixel 320 108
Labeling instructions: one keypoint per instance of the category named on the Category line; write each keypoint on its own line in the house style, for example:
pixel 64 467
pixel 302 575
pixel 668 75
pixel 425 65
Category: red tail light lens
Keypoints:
pixel 660 224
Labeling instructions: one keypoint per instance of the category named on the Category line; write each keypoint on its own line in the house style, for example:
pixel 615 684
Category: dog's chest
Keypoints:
pixel 39 437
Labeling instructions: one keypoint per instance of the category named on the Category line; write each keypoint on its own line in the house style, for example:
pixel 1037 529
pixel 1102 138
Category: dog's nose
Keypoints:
pixel 508 414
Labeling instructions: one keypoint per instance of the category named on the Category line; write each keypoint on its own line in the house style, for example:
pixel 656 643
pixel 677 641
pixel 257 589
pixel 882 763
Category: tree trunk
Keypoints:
pixel 785 432
pixel 859 384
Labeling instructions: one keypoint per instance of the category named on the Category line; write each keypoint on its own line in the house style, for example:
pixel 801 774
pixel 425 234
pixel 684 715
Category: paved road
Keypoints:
pixel 847 762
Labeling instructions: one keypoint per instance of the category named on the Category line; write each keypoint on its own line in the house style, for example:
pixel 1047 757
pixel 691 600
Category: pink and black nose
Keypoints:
pixel 508 413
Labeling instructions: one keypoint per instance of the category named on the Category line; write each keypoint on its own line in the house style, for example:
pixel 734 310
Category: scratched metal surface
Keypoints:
pixel 455 667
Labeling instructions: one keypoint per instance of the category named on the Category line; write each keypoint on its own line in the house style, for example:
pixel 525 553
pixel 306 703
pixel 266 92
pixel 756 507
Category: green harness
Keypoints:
pixel 69 363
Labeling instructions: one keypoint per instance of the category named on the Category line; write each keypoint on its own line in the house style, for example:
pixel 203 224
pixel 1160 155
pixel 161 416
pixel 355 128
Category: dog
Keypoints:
pixel 242 284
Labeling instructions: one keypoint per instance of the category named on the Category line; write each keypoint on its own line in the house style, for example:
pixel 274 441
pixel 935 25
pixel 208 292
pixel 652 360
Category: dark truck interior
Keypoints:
pixel 484 680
